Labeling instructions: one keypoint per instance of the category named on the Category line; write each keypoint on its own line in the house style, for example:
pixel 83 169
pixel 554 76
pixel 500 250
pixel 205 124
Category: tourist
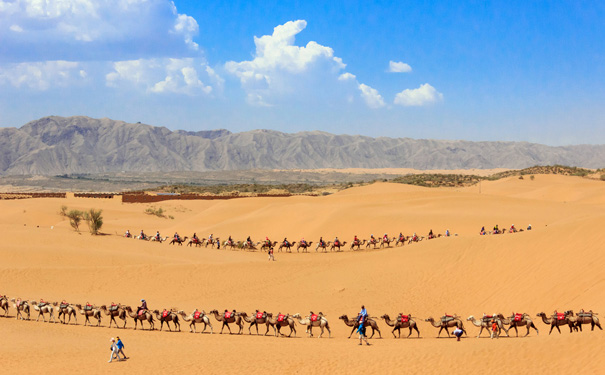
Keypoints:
pixel 121 346
pixel 114 351
pixel 458 333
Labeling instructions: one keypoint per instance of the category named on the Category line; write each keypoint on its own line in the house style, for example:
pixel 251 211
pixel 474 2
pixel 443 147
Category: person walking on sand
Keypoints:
pixel 114 351
pixel 121 347
pixel 458 333
pixel 271 257
pixel 494 330
pixel 361 329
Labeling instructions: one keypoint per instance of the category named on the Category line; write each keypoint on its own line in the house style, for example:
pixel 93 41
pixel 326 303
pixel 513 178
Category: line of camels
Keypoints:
pixel 304 246
pixel 66 311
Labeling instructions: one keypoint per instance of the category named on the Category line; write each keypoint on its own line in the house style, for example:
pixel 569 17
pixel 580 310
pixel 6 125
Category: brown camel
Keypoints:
pixel 95 312
pixel 586 317
pixel 282 321
pixel 21 306
pixel 337 246
pixel 369 322
pixel 257 319
pixel 267 246
pixel 167 316
pixel 372 242
pixel 445 324
pixel 43 309
pixel 357 244
pixel 251 246
pixel 403 321
pixel 305 246
pixel 401 240
pixel 486 324
pixel 518 320
pixel 213 242
pixel 286 245
pixel 113 311
pixel 320 322
pixel 158 239
pixel 556 321
pixel 227 318
pixel 142 317
pixel 4 304
pixel 322 245
pixel 197 242
pixel 178 241
pixel 232 244
pixel 196 317
pixel 387 241
pixel 69 310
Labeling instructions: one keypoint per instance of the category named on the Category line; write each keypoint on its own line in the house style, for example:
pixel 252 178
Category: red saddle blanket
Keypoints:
pixel 228 315
pixel 197 314
pixel 280 317
pixel 404 318
pixel 314 317
pixel 165 313
pixel 142 312
pixel 259 315
pixel 560 316
pixel 518 317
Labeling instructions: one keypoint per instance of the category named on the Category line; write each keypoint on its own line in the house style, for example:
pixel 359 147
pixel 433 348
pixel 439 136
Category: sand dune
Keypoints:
pixel 557 265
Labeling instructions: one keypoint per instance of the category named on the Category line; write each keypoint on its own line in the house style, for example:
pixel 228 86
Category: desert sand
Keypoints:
pixel 556 266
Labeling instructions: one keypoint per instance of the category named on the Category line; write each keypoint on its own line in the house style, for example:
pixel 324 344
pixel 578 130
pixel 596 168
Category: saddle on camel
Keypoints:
pixel 280 317
pixel 559 316
pixel 113 307
pixel 88 307
pixel 488 318
pixel 261 314
pixel 517 317
pixel 42 303
pixel 229 314
pixel 197 314
pixel 63 304
pixel 446 318
pixel 586 314
pixel 404 318
pixel 314 317
pixel 165 313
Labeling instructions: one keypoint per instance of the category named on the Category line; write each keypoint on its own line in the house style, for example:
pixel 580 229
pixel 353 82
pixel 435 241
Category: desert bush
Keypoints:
pixel 63 211
pixel 603 177
pixel 532 177
pixel 159 212
pixel 94 219
pixel 75 217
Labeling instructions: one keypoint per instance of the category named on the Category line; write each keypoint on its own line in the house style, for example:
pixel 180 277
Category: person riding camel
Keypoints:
pixel 157 235
pixel 513 229
pixel 143 236
pixel 267 241
pixel 195 239
pixel 431 234
pixel 176 236
pixel 385 238
pixel 372 239
pixel 88 306
pixel 127 234
pixel 143 306
pixel 447 232
pixel 303 242
pixel 210 238
pixel 286 244
pixel 401 236
pixel 336 241
pixel 230 241
pixel 356 240
pixel 249 241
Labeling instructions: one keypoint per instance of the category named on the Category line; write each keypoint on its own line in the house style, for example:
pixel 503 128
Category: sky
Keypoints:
pixel 475 70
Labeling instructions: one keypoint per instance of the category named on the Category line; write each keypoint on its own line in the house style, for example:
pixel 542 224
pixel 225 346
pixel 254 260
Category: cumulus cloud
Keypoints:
pixel 425 94
pixel 42 30
pixel 276 60
pixel 41 76
pixel 346 76
pixel 180 76
pixel 399 67
pixel 371 96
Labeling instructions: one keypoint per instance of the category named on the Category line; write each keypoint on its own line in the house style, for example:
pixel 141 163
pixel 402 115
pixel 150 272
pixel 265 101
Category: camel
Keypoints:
pixel 160 239
pixel 357 244
pixel 405 322
pixel 167 316
pixel 21 306
pixel 178 241
pixel 251 245
pixel 257 319
pixel 286 245
pixel 119 312
pixel 47 308
pixel 233 318
pixel 213 242
pixel 556 322
pixel 267 246
pixel 196 242
pixel 401 240
pixel 201 318
pixel 321 322
pixel 95 312
pixel 587 317
pixel 4 304
pixel 305 246
pixel 232 244
pixel 337 246
pixel 486 324
pixel 387 241
pixel 144 316
pixel 286 320
pixel 144 238
pixel 523 320
pixel 372 242
pixel 454 322
pixel 322 245
pixel 369 322
pixel 415 238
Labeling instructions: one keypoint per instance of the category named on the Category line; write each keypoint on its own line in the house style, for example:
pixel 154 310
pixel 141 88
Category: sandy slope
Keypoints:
pixel 558 265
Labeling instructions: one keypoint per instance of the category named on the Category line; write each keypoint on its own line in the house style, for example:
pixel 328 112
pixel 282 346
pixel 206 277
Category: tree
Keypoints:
pixel 75 217
pixel 94 220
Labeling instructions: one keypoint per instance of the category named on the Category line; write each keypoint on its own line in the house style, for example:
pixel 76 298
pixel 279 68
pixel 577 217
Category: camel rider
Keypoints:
pixel 286 242
pixel 321 241
pixel 157 235
pixel 176 236
pixel 303 242
pixel 230 241
pixel 195 239
pixel 385 238
pixel 447 232
pixel 336 242
pixel 400 236
pixel 356 240
pixel 88 306
pixel 372 239
pixel 249 240
pixel 267 241
pixel 210 237
pixel 512 228
pixel 143 236
pixel 363 313
pixel 529 227
pixel 496 228
pixel 127 235
pixel 143 306
pixel 431 234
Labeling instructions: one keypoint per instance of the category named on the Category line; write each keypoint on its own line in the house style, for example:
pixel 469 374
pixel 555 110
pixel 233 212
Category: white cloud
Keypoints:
pixel 346 76
pixel 102 30
pixel 371 96
pixel 41 75
pixel 277 60
pixel 425 94
pixel 399 67
pixel 180 76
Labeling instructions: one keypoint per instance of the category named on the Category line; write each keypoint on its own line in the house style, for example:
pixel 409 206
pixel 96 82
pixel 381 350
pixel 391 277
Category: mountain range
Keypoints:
pixel 64 145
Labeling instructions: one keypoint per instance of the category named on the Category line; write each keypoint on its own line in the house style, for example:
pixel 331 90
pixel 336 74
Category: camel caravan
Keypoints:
pixel 302 246
pixel 63 313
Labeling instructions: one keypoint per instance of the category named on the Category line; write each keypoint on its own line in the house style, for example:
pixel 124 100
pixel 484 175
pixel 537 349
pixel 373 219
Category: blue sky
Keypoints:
pixel 515 70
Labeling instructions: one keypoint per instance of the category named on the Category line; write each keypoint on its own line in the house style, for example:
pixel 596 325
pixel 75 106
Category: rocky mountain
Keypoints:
pixel 59 145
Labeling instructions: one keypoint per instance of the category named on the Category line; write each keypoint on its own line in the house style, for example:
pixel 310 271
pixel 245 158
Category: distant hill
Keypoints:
pixel 63 145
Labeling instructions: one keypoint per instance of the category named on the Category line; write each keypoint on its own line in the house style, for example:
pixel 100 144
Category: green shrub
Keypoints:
pixel 94 220
pixel 75 217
